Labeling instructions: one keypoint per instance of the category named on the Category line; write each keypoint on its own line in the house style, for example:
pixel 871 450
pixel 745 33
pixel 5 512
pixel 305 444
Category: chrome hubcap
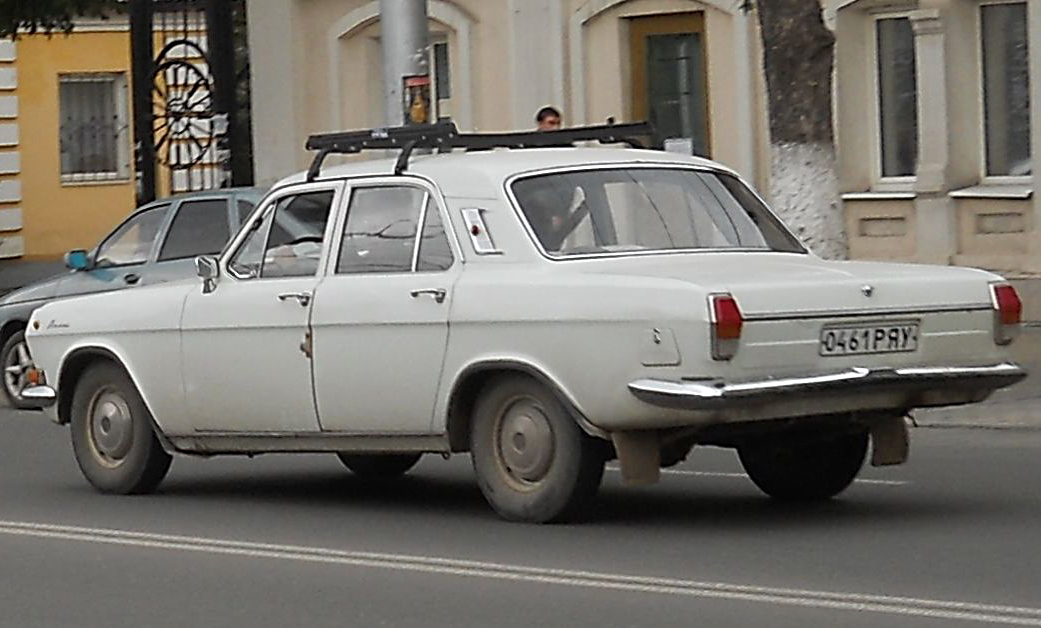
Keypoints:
pixel 525 442
pixel 16 370
pixel 111 427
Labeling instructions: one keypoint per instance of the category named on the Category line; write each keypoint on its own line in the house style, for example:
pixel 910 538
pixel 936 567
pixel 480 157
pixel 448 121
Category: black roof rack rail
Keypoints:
pixel 445 136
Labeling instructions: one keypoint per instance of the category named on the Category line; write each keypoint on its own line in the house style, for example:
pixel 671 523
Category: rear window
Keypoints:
pixel 647 209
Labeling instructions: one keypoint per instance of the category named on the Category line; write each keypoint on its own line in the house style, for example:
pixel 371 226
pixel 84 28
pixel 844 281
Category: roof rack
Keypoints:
pixel 444 136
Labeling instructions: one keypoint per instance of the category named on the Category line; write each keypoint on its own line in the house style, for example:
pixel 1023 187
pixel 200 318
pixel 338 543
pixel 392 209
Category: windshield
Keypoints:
pixel 647 209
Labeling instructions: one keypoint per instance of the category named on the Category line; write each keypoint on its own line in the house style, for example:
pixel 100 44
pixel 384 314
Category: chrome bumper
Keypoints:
pixel 39 397
pixel 917 386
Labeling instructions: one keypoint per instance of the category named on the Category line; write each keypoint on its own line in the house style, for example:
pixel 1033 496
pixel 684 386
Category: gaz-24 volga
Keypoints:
pixel 543 306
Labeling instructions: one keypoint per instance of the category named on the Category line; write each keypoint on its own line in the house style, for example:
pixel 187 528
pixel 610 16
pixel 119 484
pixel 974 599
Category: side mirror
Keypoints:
pixel 206 267
pixel 77 260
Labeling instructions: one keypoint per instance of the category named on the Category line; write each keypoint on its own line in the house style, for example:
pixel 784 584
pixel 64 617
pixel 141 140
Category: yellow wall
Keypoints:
pixel 57 217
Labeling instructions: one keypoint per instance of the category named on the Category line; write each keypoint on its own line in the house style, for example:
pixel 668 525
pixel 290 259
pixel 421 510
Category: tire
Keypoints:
pixel 379 466
pixel 112 435
pixel 14 358
pixel 533 462
pixel 805 469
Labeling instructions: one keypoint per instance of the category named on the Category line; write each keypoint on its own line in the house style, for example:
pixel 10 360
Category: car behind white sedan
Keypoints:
pixel 545 309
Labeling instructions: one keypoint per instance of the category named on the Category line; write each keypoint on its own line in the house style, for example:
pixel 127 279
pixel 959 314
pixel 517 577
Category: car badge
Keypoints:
pixel 867 290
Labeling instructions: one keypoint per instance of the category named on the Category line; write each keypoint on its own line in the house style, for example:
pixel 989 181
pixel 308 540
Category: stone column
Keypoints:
pixel 1033 258
pixel 935 218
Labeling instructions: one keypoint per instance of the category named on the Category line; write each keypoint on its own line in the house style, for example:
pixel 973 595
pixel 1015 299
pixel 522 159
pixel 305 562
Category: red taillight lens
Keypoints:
pixel 1008 312
pixel 727 322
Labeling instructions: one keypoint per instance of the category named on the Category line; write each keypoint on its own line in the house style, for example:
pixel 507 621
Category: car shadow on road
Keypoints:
pixel 691 506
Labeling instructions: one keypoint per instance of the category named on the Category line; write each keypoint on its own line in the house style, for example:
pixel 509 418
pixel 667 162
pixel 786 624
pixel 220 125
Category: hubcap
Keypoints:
pixel 16 370
pixel 111 427
pixel 525 441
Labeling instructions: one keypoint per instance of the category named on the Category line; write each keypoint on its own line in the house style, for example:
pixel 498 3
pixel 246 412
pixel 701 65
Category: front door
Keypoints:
pixel 246 358
pixel 669 78
pixel 380 319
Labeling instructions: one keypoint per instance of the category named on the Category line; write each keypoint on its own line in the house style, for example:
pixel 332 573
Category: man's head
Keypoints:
pixel 548 119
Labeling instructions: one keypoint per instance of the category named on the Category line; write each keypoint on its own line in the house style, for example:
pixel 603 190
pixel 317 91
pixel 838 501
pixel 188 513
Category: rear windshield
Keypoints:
pixel 647 209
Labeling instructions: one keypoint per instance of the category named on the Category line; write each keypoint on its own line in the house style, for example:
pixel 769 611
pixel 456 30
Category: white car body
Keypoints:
pixel 623 338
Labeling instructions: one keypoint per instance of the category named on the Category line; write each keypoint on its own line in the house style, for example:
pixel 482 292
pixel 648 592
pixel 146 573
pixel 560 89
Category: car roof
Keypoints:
pixel 254 191
pixel 479 173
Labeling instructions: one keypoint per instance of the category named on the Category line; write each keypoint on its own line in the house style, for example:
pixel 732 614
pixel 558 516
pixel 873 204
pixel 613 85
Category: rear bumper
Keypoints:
pixel 891 388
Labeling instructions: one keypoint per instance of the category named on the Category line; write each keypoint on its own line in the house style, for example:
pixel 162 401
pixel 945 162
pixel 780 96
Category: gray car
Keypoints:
pixel 156 243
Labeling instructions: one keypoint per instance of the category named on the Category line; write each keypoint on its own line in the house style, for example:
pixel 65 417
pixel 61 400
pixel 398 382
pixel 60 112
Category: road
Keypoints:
pixel 950 539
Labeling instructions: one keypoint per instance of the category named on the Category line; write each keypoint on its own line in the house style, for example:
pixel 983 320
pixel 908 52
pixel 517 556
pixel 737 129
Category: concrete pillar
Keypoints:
pixel 1033 258
pixel 936 222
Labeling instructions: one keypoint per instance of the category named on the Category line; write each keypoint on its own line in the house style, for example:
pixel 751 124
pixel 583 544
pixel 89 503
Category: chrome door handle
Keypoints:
pixel 303 298
pixel 437 293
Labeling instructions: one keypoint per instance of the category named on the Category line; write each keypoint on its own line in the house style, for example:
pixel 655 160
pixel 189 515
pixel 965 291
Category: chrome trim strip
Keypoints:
pixel 714 394
pixel 896 311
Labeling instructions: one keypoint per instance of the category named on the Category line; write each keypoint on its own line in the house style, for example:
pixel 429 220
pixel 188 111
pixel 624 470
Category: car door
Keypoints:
pixel 246 363
pixel 200 226
pixel 121 260
pixel 380 319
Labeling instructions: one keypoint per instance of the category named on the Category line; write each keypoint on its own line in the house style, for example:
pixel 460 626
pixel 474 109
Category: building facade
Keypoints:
pixel 66 157
pixel 938 127
pixel 689 66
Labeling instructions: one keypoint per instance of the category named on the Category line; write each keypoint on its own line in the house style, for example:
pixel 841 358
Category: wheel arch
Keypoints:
pixel 12 327
pixel 471 380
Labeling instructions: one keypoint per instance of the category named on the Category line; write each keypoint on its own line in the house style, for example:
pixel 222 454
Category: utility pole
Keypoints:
pixel 142 62
pixel 406 73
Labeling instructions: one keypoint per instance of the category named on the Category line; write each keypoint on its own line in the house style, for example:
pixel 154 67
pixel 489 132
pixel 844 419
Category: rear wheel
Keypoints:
pixel 14 356
pixel 533 462
pixel 112 436
pixel 379 465
pixel 805 468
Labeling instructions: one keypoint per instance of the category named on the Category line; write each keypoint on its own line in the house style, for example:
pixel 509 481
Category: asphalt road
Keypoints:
pixel 950 539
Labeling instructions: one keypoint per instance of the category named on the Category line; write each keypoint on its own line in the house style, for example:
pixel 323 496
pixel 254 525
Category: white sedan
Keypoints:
pixel 545 309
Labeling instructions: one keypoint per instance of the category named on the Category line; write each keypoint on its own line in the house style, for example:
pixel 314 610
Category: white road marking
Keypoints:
pixel 858 602
pixel 742 476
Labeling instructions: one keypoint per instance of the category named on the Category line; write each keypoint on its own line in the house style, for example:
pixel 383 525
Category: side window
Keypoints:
pixel 245 208
pixel 132 242
pixel 288 241
pixel 380 234
pixel 434 252
pixel 199 228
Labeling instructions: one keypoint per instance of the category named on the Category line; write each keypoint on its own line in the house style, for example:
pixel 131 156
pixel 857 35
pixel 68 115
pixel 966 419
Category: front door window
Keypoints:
pixel 132 242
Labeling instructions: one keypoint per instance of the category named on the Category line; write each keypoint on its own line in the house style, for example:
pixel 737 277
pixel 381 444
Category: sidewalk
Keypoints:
pixel 1018 406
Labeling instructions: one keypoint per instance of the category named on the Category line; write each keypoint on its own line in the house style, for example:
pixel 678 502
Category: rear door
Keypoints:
pixel 380 317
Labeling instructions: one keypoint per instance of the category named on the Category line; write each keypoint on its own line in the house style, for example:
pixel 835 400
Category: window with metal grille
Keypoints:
pixel 94 130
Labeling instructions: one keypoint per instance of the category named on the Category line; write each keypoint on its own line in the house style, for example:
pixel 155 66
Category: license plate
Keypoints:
pixel 865 339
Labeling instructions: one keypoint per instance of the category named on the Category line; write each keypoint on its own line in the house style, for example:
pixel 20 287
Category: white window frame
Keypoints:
pixel 881 183
pixel 990 179
pixel 121 101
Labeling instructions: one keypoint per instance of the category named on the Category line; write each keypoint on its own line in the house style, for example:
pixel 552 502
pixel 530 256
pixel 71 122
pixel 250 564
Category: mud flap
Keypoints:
pixel 639 456
pixel 889 442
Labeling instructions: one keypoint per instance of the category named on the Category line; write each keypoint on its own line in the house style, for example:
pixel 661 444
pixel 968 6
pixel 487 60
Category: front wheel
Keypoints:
pixel 533 462
pixel 805 468
pixel 112 436
pixel 379 466
pixel 14 356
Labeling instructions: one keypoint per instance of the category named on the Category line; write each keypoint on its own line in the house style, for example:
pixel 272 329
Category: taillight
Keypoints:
pixel 1008 311
pixel 726 321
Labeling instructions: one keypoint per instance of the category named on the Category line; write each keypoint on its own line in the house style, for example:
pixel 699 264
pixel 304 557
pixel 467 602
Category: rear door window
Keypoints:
pixel 199 228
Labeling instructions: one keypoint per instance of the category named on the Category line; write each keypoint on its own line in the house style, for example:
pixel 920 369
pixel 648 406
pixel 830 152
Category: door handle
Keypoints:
pixel 303 298
pixel 437 293
pixel 131 278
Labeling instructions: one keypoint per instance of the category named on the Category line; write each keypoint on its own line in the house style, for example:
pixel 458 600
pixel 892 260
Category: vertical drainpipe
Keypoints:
pixel 405 44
